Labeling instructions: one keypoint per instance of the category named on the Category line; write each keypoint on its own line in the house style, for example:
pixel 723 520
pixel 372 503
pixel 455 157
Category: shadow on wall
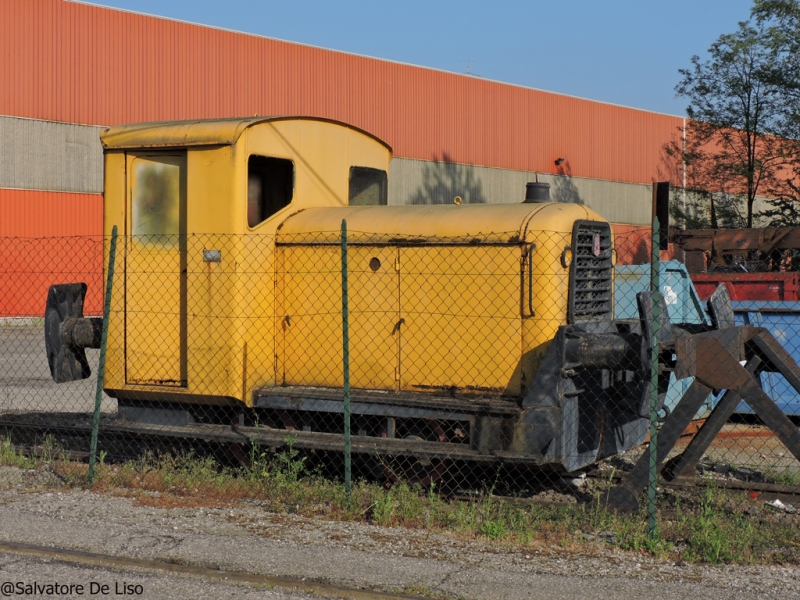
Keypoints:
pixel 632 244
pixel 563 189
pixel 443 180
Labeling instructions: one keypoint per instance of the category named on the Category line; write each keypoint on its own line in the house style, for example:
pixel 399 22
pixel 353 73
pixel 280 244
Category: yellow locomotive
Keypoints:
pixel 466 320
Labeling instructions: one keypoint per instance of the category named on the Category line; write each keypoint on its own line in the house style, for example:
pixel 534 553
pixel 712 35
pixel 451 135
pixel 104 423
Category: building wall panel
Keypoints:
pixel 426 182
pixel 34 213
pixel 43 155
pixel 48 238
pixel 86 64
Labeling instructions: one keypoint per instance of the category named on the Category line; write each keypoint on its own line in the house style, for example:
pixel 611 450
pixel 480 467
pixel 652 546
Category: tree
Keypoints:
pixel 781 22
pixel 735 140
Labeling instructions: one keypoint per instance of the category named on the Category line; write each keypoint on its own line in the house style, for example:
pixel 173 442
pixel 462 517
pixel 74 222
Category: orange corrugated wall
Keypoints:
pixel 47 238
pixel 84 64
pixel 34 213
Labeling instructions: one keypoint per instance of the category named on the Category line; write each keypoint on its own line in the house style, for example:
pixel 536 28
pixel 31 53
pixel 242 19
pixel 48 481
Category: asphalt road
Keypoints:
pixel 23 572
pixel 25 382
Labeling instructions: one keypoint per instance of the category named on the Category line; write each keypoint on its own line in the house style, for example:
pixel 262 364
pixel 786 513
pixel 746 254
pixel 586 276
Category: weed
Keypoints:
pixel 289 466
pixel 783 477
pixel 712 538
pixel 10 457
pixel 493 529
pixel 706 528
pixel 384 509
pixel 285 467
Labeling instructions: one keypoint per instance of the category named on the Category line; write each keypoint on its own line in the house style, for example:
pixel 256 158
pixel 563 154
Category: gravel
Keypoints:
pixel 249 538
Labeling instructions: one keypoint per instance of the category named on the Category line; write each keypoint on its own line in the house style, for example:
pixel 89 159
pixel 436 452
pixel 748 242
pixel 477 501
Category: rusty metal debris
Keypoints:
pixel 714 358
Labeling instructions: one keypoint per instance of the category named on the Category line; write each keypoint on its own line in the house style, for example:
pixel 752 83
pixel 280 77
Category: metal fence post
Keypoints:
pixel 655 267
pixel 348 485
pixel 101 367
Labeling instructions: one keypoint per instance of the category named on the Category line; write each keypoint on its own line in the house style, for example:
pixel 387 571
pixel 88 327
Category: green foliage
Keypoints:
pixel 633 534
pixel 384 509
pixel 289 465
pixel 286 466
pixel 708 541
pixel 742 107
pixel 781 22
pixel 11 458
pixel 493 529
pixel 710 528
pixel 783 477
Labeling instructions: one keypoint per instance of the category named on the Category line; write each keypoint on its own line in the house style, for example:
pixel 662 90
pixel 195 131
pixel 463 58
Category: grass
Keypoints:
pixel 44 454
pixel 783 477
pixel 712 527
pixel 11 458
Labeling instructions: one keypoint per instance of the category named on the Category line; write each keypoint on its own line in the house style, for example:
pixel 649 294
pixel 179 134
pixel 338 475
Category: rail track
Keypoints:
pixel 785 492
pixel 123 562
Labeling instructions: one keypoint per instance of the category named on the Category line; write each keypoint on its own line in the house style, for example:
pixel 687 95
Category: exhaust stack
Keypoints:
pixel 536 192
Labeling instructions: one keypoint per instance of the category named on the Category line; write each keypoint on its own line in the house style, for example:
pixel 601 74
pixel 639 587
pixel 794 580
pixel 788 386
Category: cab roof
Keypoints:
pixel 204 132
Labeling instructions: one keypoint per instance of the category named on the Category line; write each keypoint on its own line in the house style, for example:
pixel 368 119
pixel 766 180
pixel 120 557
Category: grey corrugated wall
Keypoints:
pixel 42 155
pixel 425 182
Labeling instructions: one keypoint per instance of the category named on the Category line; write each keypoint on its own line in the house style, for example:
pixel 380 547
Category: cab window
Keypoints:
pixel 270 187
pixel 368 187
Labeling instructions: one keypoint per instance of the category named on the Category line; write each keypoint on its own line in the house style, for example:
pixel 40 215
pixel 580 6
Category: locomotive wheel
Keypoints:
pixel 413 470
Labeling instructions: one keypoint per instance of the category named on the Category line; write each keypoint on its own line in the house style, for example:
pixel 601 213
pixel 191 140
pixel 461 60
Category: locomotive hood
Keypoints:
pixel 489 222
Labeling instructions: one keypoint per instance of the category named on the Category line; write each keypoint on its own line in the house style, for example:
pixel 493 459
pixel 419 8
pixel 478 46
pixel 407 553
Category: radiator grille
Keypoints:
pixel 590 279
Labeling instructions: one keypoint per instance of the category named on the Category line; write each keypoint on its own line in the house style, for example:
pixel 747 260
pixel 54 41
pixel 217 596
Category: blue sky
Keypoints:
pixel 621 51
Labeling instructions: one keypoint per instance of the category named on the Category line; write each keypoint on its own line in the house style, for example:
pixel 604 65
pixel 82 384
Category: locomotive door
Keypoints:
pixel 310 309
pixel 375 328
pixel 155 271
pixel 461 312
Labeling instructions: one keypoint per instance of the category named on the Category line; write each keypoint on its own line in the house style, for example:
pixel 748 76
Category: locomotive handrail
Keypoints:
pixel 531 248
pixel 564 256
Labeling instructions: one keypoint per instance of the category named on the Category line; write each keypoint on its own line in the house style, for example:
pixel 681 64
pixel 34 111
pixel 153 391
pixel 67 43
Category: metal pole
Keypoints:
pixel 655 267
pixel 348 485
pixel 101 367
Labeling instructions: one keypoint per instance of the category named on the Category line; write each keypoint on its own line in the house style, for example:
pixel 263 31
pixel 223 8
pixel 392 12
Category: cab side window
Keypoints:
pixel 368 187
pixel 270 187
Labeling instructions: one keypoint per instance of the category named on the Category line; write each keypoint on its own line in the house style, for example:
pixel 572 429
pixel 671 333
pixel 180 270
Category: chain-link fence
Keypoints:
pixel 502 361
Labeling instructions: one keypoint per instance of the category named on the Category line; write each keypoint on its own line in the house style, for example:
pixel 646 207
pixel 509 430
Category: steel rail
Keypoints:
pixel 305 586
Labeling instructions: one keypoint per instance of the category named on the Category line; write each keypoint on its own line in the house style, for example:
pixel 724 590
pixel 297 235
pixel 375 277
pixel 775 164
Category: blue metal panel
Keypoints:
pixel 781 319
pixel 683 303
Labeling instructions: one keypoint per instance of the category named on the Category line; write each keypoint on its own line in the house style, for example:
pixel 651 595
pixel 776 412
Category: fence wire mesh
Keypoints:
pixel 498 361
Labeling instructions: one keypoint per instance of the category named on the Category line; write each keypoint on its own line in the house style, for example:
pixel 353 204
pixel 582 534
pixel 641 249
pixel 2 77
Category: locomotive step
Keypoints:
pixel 332 442
pixel 394 404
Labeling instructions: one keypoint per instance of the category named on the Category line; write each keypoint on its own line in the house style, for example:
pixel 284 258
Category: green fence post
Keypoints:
pixel 655 267
pixel 101 367
pixel 348 484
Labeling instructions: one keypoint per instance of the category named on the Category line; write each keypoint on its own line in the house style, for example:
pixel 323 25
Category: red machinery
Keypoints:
pixel 772 286
pixel 754 264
